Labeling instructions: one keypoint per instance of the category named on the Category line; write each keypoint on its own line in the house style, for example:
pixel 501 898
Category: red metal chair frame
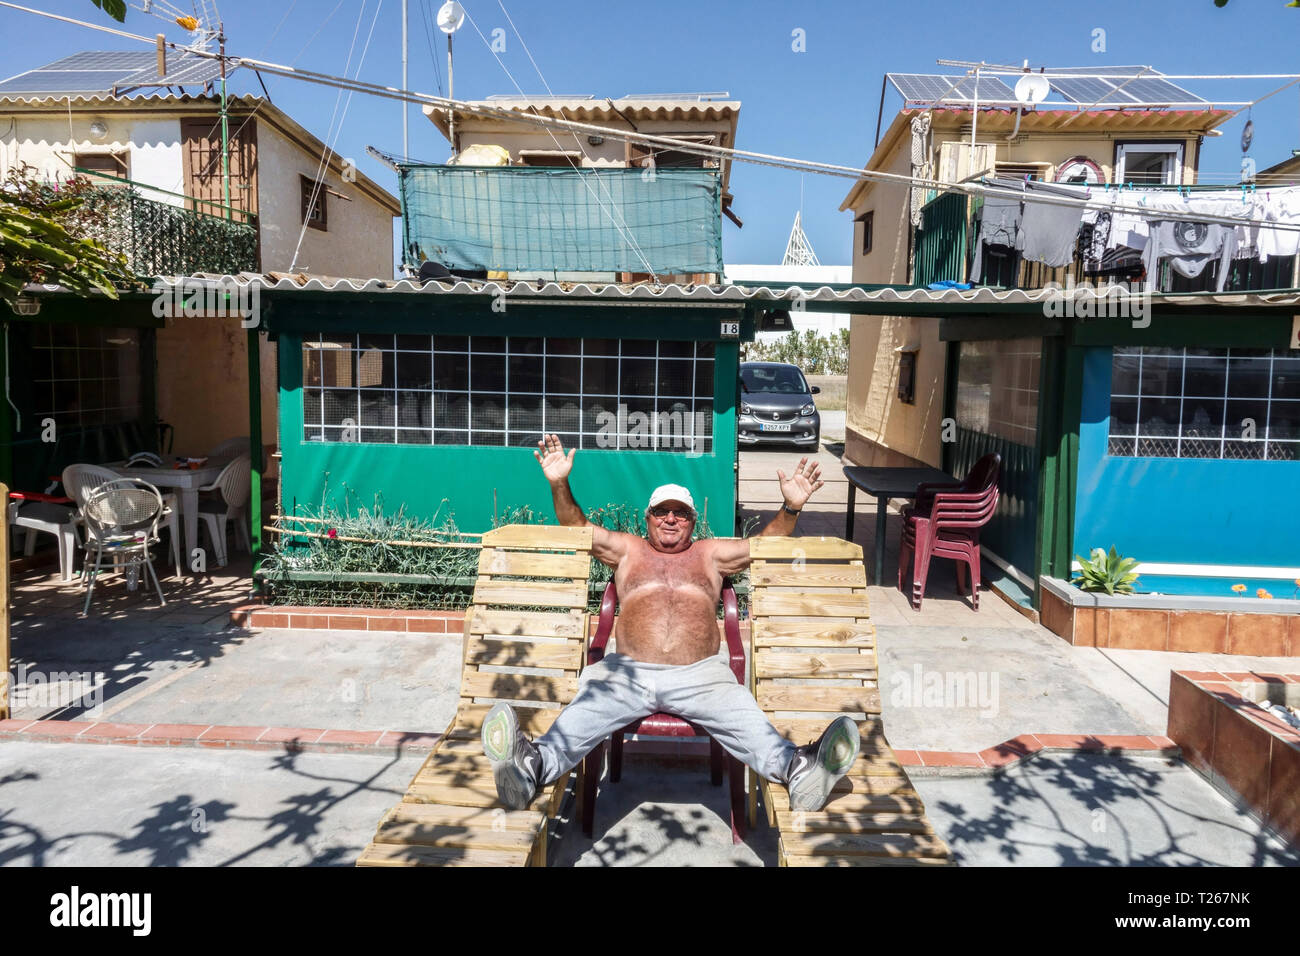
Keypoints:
pixel 946 524
pixel 667 725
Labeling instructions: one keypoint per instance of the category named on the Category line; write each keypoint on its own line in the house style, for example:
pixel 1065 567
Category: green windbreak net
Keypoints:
pixel 528 218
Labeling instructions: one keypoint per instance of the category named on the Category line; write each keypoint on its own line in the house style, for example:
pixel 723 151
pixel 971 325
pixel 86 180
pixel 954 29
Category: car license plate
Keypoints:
pixel 775 428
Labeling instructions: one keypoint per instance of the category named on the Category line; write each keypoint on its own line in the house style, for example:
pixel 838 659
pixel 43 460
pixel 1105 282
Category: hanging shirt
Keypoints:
pixel 1189 247
pixel 999 224
pixel 1280 206
pixel 1049 232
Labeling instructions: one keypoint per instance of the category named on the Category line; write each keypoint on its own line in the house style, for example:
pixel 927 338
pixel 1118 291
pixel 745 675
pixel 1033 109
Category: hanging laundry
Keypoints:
pixel 1001 265
pixel 999 219
pixel 1189 248
pixel 1281 206
pixel 1049 232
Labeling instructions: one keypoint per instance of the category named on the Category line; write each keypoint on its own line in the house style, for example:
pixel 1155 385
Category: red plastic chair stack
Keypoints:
pixel 945 523
pixel 667 725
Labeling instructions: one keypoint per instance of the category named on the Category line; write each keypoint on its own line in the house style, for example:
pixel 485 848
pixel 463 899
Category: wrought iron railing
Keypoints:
pixel 159 239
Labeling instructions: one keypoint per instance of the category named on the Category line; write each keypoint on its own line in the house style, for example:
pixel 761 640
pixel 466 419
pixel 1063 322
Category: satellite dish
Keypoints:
pixel 1032 89
pixel 451 17
pixel 1247 135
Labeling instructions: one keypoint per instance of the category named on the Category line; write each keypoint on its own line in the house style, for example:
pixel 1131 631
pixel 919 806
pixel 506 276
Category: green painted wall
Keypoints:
pixel 471 477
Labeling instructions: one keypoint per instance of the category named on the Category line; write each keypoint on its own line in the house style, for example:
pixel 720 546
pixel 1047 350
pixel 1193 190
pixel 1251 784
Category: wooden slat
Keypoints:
pixel 512 653
pixel 487 621
pixel 396 854
pixel 886 797
pixel 495 561
pixel 794 664
pixel 529 593
pixel 480 838
pixel 777 548
pixel 533 721
pixel 837 861
pixel 813 634
pixel 431 814
pixel 853 822
pixel 874 747
pixel 466 761
pixel 862 844
pixel 808 575
pixel 803 730
pixel 461 790
pixel 830 700
pixel 532 687
pixel 477 790
pixel 541 537
pixel 793 604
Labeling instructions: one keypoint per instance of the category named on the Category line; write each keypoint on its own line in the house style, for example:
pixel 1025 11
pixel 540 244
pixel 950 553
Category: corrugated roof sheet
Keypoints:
pixel 722 294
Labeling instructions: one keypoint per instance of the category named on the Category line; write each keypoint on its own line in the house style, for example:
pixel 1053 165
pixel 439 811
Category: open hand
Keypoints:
pixel 798 488
pixel 556 465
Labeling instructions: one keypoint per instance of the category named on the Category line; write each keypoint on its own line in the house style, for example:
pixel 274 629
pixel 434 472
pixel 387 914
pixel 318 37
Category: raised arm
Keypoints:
pixel 608 546
pixel 731 555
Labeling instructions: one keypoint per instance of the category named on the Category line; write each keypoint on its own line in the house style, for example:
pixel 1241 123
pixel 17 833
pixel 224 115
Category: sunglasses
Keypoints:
pixel 686 514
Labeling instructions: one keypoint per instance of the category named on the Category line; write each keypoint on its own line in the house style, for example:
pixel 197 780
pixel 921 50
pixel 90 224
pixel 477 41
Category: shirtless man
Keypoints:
pixel 667 639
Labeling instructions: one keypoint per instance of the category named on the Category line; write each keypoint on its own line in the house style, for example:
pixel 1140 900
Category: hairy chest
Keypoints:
pixel 647 569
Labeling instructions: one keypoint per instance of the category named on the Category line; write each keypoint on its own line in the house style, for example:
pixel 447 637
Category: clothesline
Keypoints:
pixel 1042 222
pixel 1091 201
pixel 720 153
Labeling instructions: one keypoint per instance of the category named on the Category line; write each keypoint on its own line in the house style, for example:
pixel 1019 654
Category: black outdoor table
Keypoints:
pixel 886 483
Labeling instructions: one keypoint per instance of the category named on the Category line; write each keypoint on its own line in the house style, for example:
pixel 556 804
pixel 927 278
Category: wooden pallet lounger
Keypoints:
pixel 813 654
pixel 528 613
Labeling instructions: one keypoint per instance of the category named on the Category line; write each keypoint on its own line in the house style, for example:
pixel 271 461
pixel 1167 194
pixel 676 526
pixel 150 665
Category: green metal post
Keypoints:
pixel 255 451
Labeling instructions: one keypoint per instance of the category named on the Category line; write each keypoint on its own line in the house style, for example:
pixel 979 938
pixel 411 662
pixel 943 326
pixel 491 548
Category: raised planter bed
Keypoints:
pixel 1241 748
pixel 1171 622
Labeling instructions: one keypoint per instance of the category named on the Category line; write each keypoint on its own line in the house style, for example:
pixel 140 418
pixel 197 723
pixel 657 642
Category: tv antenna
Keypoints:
pixel 203 21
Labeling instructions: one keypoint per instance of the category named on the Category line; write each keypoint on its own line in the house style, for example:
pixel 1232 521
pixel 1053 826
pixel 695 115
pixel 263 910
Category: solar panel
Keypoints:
pixel 1151 87
pixel 105 71
pixel 183 69
pixel 934 87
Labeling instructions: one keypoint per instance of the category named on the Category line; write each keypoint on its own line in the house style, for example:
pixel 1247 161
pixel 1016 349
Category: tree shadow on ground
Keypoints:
pixel 658 816
pixel 177 829
pixel 1096 809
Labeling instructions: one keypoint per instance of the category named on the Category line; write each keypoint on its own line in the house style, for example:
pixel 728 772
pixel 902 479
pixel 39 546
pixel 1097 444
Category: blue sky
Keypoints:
pixel 818 104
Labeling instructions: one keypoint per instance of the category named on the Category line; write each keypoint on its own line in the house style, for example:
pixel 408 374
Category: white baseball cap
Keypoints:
pixel 671 493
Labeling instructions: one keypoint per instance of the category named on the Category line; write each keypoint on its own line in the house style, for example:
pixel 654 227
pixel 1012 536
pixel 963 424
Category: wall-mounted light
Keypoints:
pixel 27 305
pixel 595 140
pixel 98 130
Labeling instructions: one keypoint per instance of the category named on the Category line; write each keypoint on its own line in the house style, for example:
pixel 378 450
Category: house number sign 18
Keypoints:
pixel 730 330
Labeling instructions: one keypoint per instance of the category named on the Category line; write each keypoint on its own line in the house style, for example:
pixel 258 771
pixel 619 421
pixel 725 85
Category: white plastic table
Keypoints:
pixel 186 483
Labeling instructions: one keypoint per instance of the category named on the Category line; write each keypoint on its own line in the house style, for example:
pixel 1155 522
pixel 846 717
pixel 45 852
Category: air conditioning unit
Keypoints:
pixel 960 161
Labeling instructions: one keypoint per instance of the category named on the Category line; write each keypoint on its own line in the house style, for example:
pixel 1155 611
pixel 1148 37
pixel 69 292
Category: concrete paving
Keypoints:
pixel 658 816
pixel 81 805
pixel 184 664
pixel 328 679
pixel 1075 809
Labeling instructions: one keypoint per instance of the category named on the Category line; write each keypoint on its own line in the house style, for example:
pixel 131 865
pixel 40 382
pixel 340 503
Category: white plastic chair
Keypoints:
pixel 232 446
pixel 80 480
pixel 121 520
pixel 234 486
pixel 50 518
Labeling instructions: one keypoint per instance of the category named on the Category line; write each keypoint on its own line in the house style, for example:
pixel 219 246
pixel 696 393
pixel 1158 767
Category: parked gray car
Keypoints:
pixel 776 405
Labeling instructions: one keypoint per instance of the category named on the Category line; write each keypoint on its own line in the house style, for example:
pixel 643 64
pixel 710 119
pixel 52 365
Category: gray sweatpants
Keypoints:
pixel 618 690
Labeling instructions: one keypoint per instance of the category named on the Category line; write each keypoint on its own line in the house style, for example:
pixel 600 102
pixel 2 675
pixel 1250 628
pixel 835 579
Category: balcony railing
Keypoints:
pixel 521 218
pixel 945 249
pixel 159 239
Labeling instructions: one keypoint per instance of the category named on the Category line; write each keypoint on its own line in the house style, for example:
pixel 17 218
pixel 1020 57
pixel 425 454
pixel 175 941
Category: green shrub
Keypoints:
pixel 814 354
